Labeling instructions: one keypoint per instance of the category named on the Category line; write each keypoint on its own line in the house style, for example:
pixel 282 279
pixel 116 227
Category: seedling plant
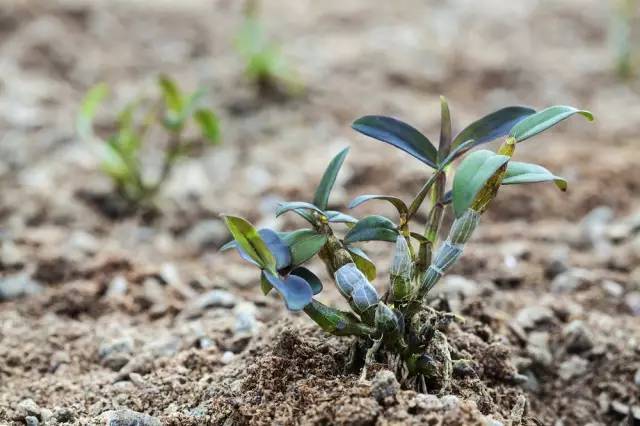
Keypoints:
pixel 121 153
pixel 397 327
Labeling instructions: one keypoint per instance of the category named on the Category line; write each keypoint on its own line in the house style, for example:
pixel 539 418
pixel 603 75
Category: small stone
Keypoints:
pixel 636 378
pixel 116 353
pixel 64 415
pixel 618 232
pixel 141 364
pixel 532 316
pixel 571 280
pixel 28 407
pixel 31 421
pixel 573 367
pixel 612 288
pixel 426 403
pixel 538 349
pixel 227 357
pixel 207 234
pixel 16 286
pixel 384 387
pixel 577 337
pixel 126 417
pixel 593 225
pixel 450 402
pixel 211 299
pixel 165 347
pixel 117 287
pixel 492 422
pixel 619 407
pixel 632 300
pixel 245 316
pixel 456 286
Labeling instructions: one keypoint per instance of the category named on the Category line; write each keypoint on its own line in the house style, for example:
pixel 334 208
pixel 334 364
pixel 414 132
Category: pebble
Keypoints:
pixel 245 318
pixel 126 417
pixel 16 286
pixel 577 337
pixel 142 364
pixel 227 357
pixel 538 348
pixel 613 288
pixel 117 287
pixel 207 234
pixel 426 403
pixel 573 367
pixel 593 226
pixel 571 280
pixel 529 317
pixel 163 347
pixel 455 286
pixel 636 378
pixel 211 299
pixel 450 402
pixel 116 353
pixel 28 407
pixel 384 387
pixel 632 300
pixel 31 421
pixel 64 415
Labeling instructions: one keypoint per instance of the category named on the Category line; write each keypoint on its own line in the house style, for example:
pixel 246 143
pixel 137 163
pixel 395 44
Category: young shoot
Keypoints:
pixel 121 152
pixel 396 326
pixel 265 65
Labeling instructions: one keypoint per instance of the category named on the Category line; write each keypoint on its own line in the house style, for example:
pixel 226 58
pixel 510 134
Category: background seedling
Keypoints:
pixel 265 65
pixel 625 13
pixel 121 152
pixel 398 328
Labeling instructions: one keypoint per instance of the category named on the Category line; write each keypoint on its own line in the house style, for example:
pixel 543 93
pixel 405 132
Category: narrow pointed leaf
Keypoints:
pixel 518 172
pixel 362 261
pixel 397 202
pixel 372 228
pixel 399 134
pixel 296 205
pixel 422 194
pixel 303 244
pixel 473 173
pixel 88 109
pixel 228 246
pixel 545 119
pixel 250 242
pixel 310 277
pixel 445 129
pixel 456 152
pixel 172 96
pixel 339 217
pixel 209 125
pixel 492 126
pixel 295 291
pixel 321 199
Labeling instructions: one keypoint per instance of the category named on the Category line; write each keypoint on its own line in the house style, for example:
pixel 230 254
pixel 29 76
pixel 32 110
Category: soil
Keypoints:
pixel 102 312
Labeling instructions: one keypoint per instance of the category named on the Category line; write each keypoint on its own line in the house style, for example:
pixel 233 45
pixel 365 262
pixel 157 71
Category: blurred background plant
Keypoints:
pixel 265 65
pixel 624 37
pixel 121 152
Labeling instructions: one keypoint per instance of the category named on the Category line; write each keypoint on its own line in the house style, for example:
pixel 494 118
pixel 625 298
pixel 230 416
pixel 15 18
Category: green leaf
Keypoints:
pixel 541 121
pixel 397 202
pixel 296 205
pixel 303 244
pixel 492 126
pixel 309 277
pixel 445 129
pixel 172 96
pixel 295 291
pixel 88 109
pixel 250 242
pixel 372 228
pixel 339 217
pixel 473 173
pixel 422 194
pixel 209 124
pixel 321 198
pixel 399 134
pixel 518 173
pixel 456 152
pixel 362 261
pixel 265 286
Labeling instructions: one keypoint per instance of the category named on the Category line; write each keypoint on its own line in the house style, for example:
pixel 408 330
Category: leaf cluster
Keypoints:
pixel 121 151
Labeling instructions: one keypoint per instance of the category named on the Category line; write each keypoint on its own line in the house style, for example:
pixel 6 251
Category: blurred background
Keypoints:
pixel 344 59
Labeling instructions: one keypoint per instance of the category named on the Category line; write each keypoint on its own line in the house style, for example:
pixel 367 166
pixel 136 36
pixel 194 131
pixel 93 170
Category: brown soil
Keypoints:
pixel 143 313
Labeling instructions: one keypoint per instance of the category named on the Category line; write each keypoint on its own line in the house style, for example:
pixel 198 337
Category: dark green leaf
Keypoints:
pixel 88 108
pixel 303 244
pixel 397 202
pixel 339 217
pixel 372 228
pixel 321 198
pixel 518 172
pixel 265 286
pixel 310 277
pixel 250 242
pixel 362 261
pixel 296 205
pixel 459 150
pixel 209 124
pixel 295 291
pixel 445 129
pixel 473 173
pixel 399 134
pixel 492 126
pixel 541 121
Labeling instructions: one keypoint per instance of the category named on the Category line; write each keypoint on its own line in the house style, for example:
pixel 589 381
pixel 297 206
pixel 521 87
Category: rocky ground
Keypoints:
pixel 137 319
